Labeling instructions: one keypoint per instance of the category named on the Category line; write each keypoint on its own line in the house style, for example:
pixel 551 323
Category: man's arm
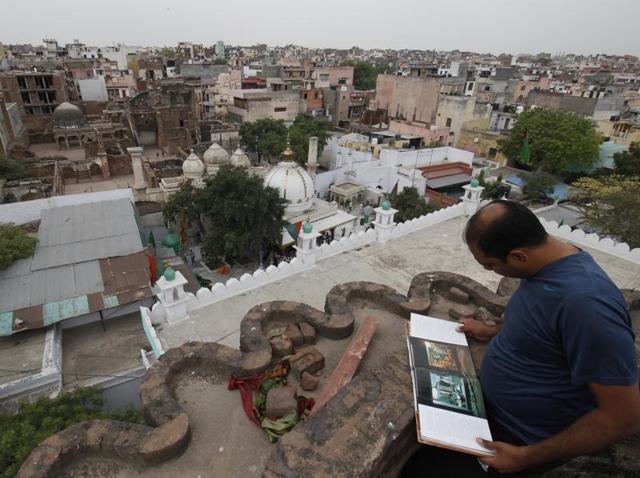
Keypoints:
pixel 617 416
pixel 478 330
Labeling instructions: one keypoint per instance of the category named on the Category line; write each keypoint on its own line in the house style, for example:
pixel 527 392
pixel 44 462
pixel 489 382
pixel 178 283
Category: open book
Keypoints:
pixel 450 410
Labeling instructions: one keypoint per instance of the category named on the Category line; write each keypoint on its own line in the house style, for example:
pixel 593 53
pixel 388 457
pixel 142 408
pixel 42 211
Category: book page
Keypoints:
pixel 425 327
pixel 452 428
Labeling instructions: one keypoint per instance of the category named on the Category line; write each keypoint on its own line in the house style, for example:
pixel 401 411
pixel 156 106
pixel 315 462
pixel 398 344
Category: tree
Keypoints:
pixel 303 128
pixel 220 61
pixel 37 421
pixel 364 74
pixel 183 207
pixel 494 190
pixel 14 244
pixel 539 185
pixel 267 137
pixel 246 216
pixel 410 205
pixel 11 169
pixel 611 205
pixel 556 140
pixel 628 162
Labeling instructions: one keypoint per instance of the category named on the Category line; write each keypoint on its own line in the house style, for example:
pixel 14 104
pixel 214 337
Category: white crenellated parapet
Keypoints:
pixel 384 221
pixel 150 332
pixel 431 219
pixel 307 244
pixel 594 241
pixel 472 197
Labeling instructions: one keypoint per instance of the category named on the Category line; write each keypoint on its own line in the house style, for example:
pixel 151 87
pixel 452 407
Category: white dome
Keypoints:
pixel 294 183
pixel 239 158
pixel 192 167
pixel 215 155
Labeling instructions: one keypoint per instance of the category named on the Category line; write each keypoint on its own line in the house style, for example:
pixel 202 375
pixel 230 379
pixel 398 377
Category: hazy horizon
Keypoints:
pixel 482 26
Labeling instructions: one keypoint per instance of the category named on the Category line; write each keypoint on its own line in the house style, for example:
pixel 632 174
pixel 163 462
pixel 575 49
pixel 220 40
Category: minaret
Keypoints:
pixel 312 159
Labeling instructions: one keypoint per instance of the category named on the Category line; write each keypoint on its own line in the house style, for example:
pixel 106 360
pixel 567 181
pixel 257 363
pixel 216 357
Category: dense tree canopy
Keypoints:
pixel 14 244
pixel 539 185
pixel 364 74
pixel 182 207
pixel 268 137
pixel 628 162
pixel 11 169
pixel 612 206
pixel 303 128
pixel 410 205
pixel 555 140
pixel 245 216
pixel 37 421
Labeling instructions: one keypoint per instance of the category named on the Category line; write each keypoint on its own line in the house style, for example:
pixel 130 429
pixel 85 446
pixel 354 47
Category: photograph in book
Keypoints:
pixel 449 391
pixel 432 354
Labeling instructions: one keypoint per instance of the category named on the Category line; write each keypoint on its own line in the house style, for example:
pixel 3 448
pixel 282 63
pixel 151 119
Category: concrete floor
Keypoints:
pixel 106 354
pixel 118 182
pixel 21 355
pixel 437 248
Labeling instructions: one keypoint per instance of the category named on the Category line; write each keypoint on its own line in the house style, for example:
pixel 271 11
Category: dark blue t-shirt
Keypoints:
pixel 566 327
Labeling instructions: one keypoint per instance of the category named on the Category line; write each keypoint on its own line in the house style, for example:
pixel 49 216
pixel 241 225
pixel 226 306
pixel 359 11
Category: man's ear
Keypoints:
pixel 518 256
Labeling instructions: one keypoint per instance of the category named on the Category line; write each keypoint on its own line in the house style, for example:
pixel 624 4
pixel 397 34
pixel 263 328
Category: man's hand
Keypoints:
pixel 478 330
pixel 508 458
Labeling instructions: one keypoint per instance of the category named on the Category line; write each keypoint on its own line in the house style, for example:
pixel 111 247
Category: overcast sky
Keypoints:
pixel 512 26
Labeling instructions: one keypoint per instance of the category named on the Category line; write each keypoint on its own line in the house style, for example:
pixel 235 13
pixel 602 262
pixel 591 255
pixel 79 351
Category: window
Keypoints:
pixel 280 109
pixel 182 123
pixel 22 82
pixel 469 86
pixel 487 88
pixel 26 99
pixel 305 96
pixel 448 123
pixel 523 87
pixel 324 76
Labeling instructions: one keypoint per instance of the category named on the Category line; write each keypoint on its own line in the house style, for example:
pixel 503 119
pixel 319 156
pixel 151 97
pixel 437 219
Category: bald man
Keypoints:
pixel 560 377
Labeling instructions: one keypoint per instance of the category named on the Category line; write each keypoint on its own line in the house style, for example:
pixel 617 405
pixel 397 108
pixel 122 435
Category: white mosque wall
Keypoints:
pixel 594 241
pixel 425 157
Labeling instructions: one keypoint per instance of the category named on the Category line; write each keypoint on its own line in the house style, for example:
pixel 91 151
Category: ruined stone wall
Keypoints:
pixel 120 165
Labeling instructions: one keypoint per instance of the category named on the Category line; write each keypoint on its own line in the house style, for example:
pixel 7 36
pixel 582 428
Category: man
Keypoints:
pixel 560 377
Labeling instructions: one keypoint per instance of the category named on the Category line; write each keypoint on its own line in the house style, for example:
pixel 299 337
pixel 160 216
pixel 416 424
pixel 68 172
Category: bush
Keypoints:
pixel 539 185
pixel 14 244
pixel 35 422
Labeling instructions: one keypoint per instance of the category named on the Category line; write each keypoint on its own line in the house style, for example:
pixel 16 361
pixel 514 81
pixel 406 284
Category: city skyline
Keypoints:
pixel 482 26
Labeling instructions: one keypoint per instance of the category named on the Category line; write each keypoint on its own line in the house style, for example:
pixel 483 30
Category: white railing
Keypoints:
pixel 594 241
pixel 150 332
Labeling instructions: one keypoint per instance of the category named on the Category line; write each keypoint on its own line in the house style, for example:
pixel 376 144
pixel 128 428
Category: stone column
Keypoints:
pixel 307 245
pixel 312 159
pixel 384 221
pixel 136 161
pixel 104 163
pixel 472 197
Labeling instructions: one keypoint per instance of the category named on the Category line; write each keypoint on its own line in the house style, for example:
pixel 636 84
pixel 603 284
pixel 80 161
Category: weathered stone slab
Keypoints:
pixel 307 359
pixel 280 401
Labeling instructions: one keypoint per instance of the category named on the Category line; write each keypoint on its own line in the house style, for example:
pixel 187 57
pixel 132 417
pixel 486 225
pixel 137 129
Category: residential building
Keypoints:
pixel 250 105
pixel 408 98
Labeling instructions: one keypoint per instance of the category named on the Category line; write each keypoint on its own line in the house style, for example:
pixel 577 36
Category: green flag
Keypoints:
pixel 525 155
pixel 152 239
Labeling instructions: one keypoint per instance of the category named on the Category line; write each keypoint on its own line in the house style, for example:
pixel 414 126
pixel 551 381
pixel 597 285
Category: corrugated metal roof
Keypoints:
pixel 85 232
pixel 445 181
pixel 71 240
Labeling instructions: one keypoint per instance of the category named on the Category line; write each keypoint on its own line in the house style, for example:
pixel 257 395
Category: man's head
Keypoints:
pixel 504 237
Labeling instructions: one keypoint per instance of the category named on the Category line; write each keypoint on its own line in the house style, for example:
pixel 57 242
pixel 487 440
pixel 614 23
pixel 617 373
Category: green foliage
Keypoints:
pixel 246 216
pixel 557 140
pixel 364 74
pixel 182 207
pixel 267 137
pixel 220 61
pixel 303 128
pixel 35 422
pixel 14 244
pixel 202 281
pixel 628 162
pixel 11 169
pixel 410 205
pixel 168 52
pixel 539 185
pixel 611 205
pixel 492 191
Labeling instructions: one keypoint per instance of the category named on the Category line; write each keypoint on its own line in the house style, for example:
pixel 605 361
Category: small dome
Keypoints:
pixel 67 115
pixel 294 183
pixel 386 205
pixel 215 155
pixel 193 167
pixel 169 274
pixel 475 183
pixel 239 158
pixel 171 241
pixel 307 227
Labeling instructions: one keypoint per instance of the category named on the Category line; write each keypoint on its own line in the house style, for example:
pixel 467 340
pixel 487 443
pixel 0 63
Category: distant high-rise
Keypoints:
pixel 220 49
